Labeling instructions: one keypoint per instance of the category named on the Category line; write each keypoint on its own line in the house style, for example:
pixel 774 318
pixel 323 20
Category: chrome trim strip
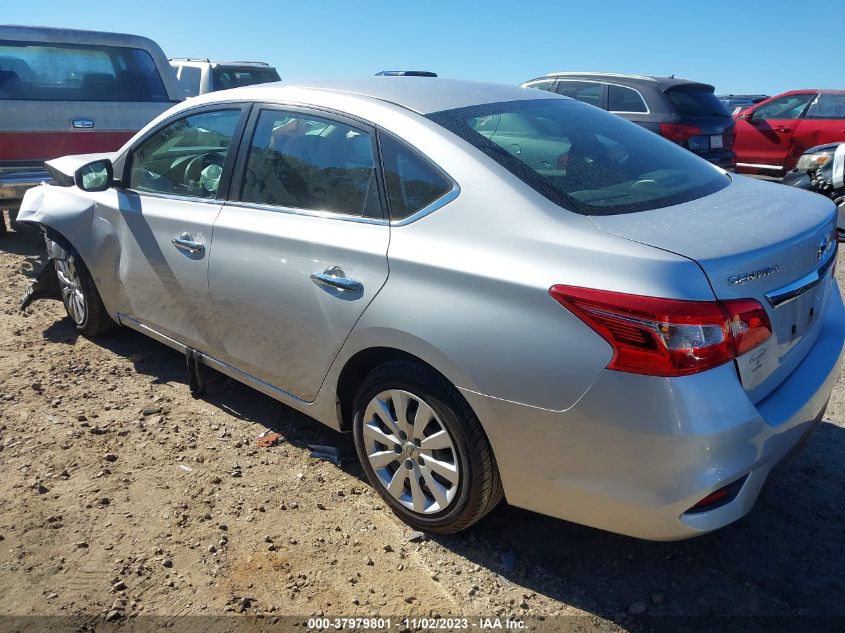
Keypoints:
pixel 441 202
pixel 792 291
pixel 757 166
pixel 148 331
pixel 328 215
pixel 214 363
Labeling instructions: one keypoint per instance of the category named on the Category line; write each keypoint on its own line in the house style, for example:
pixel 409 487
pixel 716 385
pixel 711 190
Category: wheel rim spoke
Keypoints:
pixel 447 471
pixel 436 441
pixel 400 405
pixel 417 495
pixel 440 493
pixel 412 454
pixel 375 433
pixel 383 459
pixel 385 416
pixel 423 416
pixel 397 484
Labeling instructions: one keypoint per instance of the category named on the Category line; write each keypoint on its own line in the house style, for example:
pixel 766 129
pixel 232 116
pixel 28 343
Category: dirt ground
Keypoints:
pixel 123 497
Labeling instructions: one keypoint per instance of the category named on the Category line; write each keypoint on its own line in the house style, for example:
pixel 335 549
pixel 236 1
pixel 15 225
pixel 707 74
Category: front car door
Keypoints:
pixel 155 240
pixel 301 248
pixel 764 134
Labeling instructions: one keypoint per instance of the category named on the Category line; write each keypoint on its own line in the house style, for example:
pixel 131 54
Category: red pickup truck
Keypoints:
pixel 772 135
pixel 64 91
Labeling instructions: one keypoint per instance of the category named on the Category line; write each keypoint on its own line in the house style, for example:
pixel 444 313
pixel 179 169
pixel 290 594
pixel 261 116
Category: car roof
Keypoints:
pixel 423 95
pixel 644 81
pixel 73 36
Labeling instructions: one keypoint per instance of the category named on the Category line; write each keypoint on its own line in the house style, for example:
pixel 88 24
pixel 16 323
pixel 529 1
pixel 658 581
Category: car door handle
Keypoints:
pixel 334 277
pixel 188 246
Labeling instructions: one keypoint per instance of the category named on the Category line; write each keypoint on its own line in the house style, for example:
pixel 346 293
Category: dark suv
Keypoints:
pixel 686 112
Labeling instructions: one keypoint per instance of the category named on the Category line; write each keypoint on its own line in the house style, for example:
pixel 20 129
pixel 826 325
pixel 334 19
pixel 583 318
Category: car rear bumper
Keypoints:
pixel 15 181
pixel 637 452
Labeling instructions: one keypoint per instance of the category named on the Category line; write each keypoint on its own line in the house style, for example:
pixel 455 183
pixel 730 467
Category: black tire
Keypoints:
pixel 93 319
pixel 3 228
pixel 479 489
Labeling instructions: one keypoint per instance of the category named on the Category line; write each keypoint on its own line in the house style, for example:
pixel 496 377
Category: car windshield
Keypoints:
pixel 582 158
pixel 76 72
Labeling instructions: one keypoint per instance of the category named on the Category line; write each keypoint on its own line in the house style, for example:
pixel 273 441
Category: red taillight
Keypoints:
pixel 678 132
pixel 667 337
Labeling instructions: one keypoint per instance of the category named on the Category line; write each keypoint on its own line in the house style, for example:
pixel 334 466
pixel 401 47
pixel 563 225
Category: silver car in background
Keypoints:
pixel 497 290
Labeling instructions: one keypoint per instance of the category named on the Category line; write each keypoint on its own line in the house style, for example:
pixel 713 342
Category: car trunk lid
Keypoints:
pixel 752 241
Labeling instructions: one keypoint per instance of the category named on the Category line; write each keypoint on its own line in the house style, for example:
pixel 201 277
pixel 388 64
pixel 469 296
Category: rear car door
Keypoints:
pixel 175 178
pixel 823 123
pixel 301 248
pixel 764 136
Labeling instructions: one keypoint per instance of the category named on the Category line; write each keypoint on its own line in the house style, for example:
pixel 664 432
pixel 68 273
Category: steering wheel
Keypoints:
pixel 193 169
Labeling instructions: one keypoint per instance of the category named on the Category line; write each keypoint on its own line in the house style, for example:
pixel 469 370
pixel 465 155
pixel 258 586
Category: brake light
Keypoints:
pixel 678 132
pixel 667 337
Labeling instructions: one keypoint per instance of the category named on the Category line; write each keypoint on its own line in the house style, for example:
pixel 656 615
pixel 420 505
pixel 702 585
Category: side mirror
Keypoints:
pixel 95 176
pixel 747 114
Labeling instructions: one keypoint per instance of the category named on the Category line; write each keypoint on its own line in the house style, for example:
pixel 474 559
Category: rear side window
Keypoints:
pixel 308 162
pixel 412 182
pixel 64 72
pixel 696 101
pixel 827 106
pixel 224 78
pixel 588 92
pixel 622 99
pixel 190 78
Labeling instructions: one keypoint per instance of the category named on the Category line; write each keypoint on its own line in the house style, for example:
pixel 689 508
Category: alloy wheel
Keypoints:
pixel 71 288
pixel 410 451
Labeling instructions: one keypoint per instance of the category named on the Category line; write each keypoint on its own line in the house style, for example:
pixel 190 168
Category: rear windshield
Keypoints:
pixel 696 101
pixel 62 72
pixel 226 77
pixel 582 158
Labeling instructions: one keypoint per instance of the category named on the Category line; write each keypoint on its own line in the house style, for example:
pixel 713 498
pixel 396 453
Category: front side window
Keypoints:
pixel 583 159
pixel 586 91
pixel 622 99
pixel 788 107
pixel 64 72
pixel 186 157
pixel 827 106
pixel 308 162
pixel 413 183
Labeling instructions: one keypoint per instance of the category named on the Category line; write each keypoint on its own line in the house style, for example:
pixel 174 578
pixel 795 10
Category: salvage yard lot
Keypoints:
pixel 121 495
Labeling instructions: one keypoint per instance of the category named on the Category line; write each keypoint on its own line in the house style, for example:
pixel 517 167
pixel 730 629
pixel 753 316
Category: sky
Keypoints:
pixel 740 46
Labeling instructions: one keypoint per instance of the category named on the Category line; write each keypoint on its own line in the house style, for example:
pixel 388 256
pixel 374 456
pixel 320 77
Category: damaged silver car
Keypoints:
pixel 499 291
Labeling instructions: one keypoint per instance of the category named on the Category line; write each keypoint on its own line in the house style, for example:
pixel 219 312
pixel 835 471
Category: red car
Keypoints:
pixel 772 135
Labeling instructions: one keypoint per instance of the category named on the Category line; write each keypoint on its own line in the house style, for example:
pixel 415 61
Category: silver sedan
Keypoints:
pixel 499 291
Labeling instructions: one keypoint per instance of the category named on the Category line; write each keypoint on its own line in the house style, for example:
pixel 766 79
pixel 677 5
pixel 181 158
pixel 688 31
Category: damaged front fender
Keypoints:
pixel 66 214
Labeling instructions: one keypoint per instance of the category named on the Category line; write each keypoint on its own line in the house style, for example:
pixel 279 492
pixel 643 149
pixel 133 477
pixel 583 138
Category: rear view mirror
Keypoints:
pixel 95 176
